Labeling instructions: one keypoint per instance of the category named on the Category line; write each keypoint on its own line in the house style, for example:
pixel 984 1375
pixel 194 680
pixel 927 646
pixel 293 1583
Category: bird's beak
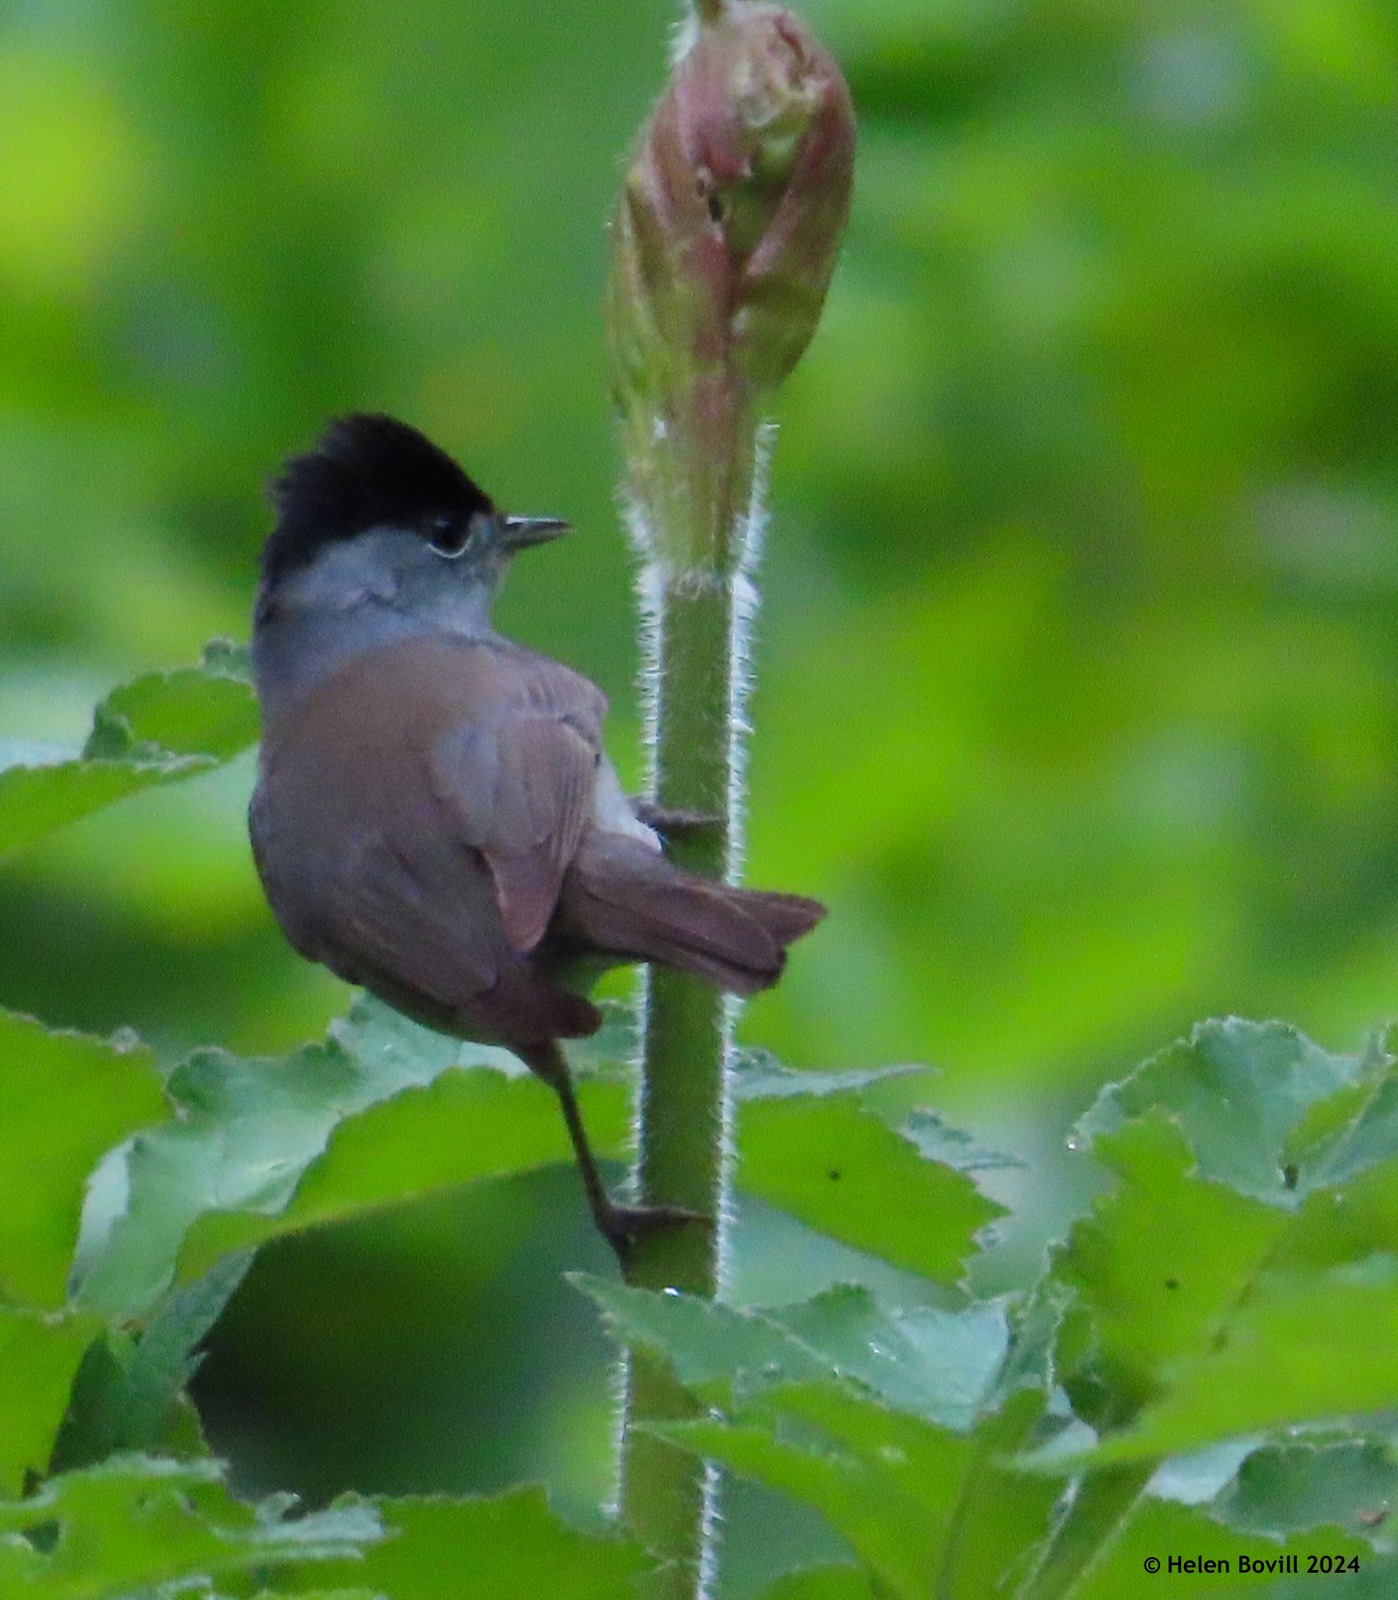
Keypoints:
pixel 518 533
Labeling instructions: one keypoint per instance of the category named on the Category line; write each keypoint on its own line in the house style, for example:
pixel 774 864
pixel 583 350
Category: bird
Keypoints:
pixel 435 817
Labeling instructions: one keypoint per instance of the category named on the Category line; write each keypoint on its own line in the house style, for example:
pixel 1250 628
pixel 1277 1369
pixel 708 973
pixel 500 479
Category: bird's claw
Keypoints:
pixel 624 1226
pixel 674 820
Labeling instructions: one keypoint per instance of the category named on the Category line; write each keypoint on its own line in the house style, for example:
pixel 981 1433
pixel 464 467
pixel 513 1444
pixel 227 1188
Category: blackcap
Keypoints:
pixel 435 816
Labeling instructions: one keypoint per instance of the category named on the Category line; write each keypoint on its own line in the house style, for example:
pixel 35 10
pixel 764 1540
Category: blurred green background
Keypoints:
pixel 1078 673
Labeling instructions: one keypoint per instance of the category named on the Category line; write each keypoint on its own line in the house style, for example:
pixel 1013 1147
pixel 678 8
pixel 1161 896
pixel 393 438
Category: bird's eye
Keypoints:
pixel 448 536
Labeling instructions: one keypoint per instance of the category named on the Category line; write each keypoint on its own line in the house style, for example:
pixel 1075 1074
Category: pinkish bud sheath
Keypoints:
pixel 725 239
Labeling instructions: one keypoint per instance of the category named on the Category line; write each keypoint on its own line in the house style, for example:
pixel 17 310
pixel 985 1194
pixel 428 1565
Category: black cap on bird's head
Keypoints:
pixel 372 471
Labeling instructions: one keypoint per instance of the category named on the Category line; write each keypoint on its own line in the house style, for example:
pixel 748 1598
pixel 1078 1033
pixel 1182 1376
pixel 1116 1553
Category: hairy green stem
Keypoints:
pixel 696 681
pixel 724 239
pixel 686 1022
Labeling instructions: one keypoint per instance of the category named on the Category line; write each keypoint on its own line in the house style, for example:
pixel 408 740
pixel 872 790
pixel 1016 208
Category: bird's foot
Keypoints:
pixel 624 1226
pixel 674 821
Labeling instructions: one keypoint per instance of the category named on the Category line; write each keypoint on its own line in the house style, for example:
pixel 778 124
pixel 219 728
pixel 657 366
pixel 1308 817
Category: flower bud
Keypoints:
pixel 731 216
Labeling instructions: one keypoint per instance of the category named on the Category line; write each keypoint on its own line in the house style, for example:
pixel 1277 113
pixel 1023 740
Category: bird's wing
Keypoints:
pixel 519 784
pixel 416 923
pixel 410 909
pixel 376 810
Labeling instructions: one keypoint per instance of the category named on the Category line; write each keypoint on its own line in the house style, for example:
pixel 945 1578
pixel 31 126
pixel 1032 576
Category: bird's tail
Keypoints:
pixel 624 897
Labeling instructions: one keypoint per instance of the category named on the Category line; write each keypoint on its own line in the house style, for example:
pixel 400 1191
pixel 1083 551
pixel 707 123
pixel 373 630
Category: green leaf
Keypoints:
pixel 1345 1224
pixel 1160 1530
pixel 392 1052
pixel 41 791
pixel 933 1363
pixel 467 1126
pixel 940 1365
pixel 208 710
pixel 1358 1143
pixel 1252 1100
pixel 1036 1321
pixel 161 728
pixel 248 1130
pixel 1303 1485
pixel 377 1117
pixel 1160 1264
pixel 715 1349
pixel 925 1509
pixel 1244 1293
pixel 937 1140
pixel 164 1360
pixel 68 1098
pixel 843 1171
pixel 39 1360
pixel 888 1526
pixel 822 1583
pixel 999 1523
pixel 245 1131
pixel 128 1391
pixel 298 1593
pixel 758 1075
pixel 136 1522
pixel 510 1547
pixel 808 1144
pixel 320 1594
pixel 1101 1503
pixel 1298 1349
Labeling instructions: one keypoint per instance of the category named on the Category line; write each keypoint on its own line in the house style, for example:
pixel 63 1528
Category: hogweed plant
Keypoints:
pixel 1196 1386
pixel 725 238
